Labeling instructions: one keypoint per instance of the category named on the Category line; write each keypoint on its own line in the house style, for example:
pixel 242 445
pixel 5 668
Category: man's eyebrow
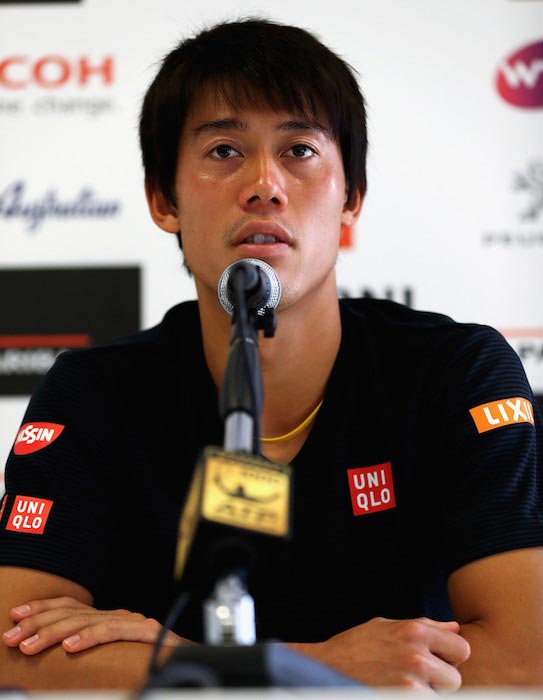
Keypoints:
pixel 221 125
pixel 240 125
pixel 302 125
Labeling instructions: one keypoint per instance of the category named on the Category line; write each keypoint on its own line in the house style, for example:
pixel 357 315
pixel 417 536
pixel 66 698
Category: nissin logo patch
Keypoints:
pixel 498 414
pixel 371 488
pixel 519 79
pixel 35 436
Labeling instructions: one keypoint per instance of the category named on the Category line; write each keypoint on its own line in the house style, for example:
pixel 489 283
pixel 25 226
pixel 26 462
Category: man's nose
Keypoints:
pixel 264 186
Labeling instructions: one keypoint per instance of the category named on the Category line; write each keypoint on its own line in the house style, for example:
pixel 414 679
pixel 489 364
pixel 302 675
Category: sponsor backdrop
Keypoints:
pixel 55 310
pixel 453 219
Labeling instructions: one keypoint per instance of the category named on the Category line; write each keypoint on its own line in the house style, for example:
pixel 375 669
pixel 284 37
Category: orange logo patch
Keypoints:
pixel 497 414
pixel 346 239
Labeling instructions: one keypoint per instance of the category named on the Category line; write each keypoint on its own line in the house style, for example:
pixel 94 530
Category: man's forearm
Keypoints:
pixel 399 653
pixel 497 660
pixel 119 665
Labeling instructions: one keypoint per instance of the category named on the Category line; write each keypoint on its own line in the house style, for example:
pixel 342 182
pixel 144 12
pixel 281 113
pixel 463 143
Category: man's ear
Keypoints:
pixel 351 210
pixel 163 212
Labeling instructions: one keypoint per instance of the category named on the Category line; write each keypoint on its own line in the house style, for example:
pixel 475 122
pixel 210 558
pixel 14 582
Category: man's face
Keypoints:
pixel 263 184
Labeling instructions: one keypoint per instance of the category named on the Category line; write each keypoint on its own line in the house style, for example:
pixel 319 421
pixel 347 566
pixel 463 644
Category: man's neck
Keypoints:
pixel 296 362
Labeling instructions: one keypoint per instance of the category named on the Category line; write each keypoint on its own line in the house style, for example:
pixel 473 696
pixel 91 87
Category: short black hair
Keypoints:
pixel 252 62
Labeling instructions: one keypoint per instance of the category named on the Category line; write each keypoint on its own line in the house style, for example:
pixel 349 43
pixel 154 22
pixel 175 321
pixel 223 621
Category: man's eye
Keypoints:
pixel 300 150
pixel 223 151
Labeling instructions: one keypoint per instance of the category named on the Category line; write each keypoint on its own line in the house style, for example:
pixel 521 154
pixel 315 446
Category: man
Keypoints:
pixel 410 510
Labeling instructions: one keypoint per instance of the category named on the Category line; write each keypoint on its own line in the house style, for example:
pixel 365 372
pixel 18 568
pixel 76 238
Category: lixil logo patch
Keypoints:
pixel 498 414
pixel 35 436
pixel 372 488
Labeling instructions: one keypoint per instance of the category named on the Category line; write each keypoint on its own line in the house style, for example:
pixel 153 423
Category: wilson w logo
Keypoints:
pixel 521 73
pixel 519 79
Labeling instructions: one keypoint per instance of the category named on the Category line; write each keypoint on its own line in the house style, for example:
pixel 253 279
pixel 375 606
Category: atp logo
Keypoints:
pixel 519 79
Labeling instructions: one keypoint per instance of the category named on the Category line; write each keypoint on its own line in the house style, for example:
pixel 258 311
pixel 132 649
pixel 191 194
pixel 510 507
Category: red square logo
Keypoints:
pixel 29 515
pixel 372 488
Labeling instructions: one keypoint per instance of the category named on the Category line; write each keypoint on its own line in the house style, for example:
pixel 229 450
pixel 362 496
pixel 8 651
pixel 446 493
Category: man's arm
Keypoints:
pixel 122 665
pixel 499 602
pixel 416 654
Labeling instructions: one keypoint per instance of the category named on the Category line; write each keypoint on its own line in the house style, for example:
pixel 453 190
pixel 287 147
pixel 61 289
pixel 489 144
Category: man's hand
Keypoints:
pixel 44 623
pixel 419 654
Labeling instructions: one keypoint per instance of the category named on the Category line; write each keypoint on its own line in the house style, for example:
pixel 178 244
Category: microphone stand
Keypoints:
pixel 229 615
pixel 240 399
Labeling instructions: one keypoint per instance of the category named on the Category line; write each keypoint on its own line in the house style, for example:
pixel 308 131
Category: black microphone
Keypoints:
pixel 262 286
pixel 234 499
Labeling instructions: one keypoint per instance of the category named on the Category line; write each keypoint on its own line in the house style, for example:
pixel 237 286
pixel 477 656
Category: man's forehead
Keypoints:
pixel 212 111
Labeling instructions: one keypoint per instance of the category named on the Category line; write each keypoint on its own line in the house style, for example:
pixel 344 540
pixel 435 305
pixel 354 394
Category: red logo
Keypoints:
pixel 371 488
pixel 35 436
pixel 50 72
pixel 29 515
pixel 346 239
pixel 519 79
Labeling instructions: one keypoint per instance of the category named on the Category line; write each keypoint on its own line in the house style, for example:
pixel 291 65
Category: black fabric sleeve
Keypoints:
pixel 72 471
pixel 489 476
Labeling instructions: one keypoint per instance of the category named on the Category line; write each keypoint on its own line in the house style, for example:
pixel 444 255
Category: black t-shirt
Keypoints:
pixel 423 458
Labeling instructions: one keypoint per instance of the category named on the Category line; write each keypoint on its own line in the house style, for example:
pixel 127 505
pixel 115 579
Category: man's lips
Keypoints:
pixel 262 233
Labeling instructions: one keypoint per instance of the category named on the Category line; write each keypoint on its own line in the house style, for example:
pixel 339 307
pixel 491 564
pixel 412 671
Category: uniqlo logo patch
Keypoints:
pixel 372 488
pixel 29 515
pixel 498 414
pixel 35 436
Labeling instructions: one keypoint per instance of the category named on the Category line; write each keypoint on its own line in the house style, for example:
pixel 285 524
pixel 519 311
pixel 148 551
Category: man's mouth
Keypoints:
pixel 261 238
pixel 262 233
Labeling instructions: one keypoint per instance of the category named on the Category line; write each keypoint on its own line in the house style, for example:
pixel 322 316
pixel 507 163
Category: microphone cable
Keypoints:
pixel 172 616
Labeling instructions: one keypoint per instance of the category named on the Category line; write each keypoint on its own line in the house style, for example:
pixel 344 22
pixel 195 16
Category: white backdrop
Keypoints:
pixel 453 218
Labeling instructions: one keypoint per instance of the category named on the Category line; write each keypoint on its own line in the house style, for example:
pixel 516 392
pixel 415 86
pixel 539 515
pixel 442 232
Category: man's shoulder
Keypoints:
pixel 176 333
pixel 388 317
pixel 387 313
pixel 140 358
pixel 399 335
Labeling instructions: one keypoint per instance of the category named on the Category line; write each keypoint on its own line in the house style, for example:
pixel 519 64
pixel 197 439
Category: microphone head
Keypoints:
pixel 272 281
